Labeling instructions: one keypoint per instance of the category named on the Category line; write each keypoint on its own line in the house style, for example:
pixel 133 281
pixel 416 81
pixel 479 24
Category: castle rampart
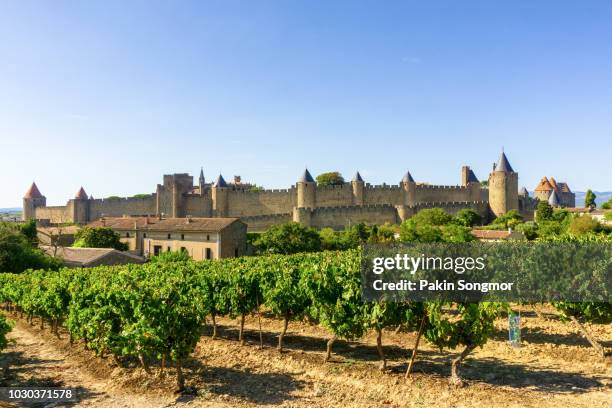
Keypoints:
pixel 306 202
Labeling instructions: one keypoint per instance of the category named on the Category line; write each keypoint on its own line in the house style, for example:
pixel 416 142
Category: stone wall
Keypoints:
pixel 382 194
pixel 253 203
pixel 55 214
pixel 121 206
pixel 340 217
pixel 430 193
pixel 260 223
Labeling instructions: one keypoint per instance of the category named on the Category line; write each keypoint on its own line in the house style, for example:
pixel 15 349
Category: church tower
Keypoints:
pixel 503 187
pixel 201 181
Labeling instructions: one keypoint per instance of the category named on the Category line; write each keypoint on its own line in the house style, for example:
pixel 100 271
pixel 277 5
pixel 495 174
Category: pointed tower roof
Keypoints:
pixel 33 192
pixel 407 178
pixel 503 164
pixel 220 182
pixel 201 179
pixel 524 192
pixel 553 183
pixel 553 200
pixel 472 177
pixel 544 185
pixel 357 177
pixel 306 177
pixel 81 194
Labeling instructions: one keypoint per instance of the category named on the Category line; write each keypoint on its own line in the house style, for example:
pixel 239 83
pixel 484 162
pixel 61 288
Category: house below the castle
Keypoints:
pixel 201 238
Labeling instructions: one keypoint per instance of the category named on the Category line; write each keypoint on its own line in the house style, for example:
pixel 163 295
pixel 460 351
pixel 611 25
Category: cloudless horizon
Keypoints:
pixel 111 95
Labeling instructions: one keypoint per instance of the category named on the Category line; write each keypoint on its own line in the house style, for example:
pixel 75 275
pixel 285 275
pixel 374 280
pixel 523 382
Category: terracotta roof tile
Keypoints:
pixel 33 192
pixel 544 185
pixel 191 224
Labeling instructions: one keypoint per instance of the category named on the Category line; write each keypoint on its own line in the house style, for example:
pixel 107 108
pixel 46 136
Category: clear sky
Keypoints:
pixel 111 95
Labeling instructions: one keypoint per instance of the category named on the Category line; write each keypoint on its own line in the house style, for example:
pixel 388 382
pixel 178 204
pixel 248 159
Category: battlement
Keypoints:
pixel 439 187
pixel 265 217
pixel 122 199
pixel 335 187
pixel 442 204
pixel 265 191
pixel 369 186
pixel 369 207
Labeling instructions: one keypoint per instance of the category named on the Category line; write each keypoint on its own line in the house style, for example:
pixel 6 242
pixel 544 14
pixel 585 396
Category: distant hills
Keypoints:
pixel 10 210
pixel 600 197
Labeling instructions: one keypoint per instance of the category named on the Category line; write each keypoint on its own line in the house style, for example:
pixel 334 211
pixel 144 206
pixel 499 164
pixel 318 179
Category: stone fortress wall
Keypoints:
pixel 305 202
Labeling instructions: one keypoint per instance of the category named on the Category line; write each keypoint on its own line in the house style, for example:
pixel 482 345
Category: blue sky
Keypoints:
pixel 111 95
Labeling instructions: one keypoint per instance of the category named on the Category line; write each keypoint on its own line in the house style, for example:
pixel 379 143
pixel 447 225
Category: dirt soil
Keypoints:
pixel 554 367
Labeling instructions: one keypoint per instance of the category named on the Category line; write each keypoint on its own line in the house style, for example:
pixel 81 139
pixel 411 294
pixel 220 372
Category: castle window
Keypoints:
pixel 144 235
pixel 127 234
pixel 182 237
pixel 208 237
pixel 208 253
pixel 169 236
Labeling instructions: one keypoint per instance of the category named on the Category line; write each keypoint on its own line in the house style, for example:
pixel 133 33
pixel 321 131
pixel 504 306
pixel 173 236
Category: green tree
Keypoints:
pixel 467 217
pixel 18 254
pixel 456 233
pixel 584 224
pixel 5 327
pixel 607 205
pixel 432 216
pixel 98 237
pixel 289 238
pixel 544 212
pixel 29 230
pixel 332 178
pixel 589 199
pixel 509 220
pixel 529 229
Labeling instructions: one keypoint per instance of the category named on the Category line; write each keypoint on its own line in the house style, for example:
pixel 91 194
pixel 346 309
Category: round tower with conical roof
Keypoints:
pixel 503 187
pixel 306 191
pixel 80 207
pixel 32 199
pixel 409 189
pixel 220 191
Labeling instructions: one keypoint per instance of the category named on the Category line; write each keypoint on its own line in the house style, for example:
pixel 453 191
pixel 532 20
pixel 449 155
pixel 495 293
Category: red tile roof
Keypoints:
pixel 33 192
pixel 123 223
pixel 544 185
pixel 495 234
pixel 166 224
pixel 191 224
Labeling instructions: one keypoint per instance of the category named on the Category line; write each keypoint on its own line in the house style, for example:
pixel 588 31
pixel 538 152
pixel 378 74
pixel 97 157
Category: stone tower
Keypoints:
pixel 80 207
pixel 503 187
pixel 358 185
pixel 306 191
pixel 469 180
pixel 32 199
pixel 220 192
pixel 306 199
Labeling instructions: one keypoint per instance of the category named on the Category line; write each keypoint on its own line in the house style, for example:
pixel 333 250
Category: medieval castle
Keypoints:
pixel 307 203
